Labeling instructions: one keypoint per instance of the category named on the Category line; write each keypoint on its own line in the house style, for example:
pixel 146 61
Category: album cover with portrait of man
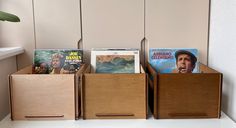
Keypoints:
pixel 57 61
pixel 168 60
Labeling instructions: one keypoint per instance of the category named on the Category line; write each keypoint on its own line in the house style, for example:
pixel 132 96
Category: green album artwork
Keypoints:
pixel 57 61
pixel 115 64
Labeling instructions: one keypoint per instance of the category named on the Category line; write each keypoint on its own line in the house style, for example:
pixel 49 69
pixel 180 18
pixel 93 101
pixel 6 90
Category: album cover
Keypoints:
pixel 167 60
pixel 57 61
pixel 115 60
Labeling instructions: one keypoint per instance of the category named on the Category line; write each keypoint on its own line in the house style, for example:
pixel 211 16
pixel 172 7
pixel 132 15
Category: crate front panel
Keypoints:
pixel 115 96
pixel 188 95
pixel 43 96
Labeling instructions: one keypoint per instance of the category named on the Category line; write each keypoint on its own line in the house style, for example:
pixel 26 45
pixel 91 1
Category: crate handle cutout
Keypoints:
pixel 47 116
pixel 187 114
pixel 113 114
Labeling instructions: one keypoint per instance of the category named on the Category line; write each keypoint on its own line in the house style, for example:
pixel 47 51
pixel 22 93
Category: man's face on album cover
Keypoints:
pixel 184 64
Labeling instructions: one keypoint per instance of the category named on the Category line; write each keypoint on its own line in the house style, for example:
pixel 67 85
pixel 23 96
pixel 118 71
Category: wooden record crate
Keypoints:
pixel 190 95
pixel 44 96
pixel 114 96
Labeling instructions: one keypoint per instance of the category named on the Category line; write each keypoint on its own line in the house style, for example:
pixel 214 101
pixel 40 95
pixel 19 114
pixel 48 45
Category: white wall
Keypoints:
pixel 8 66
pixel 20 33
pixel 222 50
pixel 15 34
pixel 57 23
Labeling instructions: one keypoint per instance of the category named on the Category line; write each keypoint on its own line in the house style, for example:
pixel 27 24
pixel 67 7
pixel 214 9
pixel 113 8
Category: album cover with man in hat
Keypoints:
pixel 168 60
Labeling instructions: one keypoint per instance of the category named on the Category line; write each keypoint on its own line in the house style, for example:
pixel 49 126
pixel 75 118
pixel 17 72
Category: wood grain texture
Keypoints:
pixel 195 95
pixel 43 96
pixel 78 84
pixel 111 96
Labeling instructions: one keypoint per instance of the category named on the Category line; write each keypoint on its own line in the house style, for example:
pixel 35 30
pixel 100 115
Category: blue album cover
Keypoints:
pixel 167 60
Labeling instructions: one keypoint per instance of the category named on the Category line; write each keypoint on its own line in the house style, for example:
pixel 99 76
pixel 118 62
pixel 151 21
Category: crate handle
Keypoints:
pixel 113 114
pixel 46 116
pixel 187 114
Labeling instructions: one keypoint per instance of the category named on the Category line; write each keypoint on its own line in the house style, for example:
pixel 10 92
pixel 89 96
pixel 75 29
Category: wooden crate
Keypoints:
pixel 112 96
pixel 192 95
pixel 44 96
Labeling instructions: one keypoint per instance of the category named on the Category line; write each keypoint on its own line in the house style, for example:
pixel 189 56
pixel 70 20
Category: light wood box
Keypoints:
pixel 114 96
pixel 192 95
pixel 44 96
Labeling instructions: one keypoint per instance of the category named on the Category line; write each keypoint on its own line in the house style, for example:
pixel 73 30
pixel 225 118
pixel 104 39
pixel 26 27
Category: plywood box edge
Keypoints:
pixel 78 101
pixel 10 96
pixel 220 95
